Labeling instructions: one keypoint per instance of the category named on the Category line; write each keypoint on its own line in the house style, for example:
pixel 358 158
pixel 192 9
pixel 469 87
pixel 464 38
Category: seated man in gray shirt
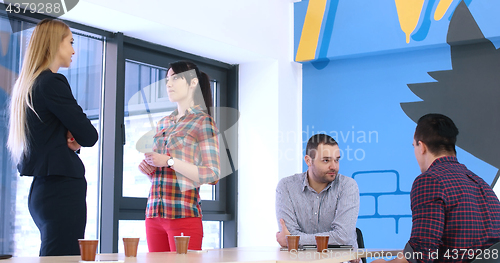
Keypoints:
pixel 319 201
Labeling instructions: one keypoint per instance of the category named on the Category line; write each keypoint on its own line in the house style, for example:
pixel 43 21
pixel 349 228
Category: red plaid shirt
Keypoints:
pixel 192 139
pixel 455 214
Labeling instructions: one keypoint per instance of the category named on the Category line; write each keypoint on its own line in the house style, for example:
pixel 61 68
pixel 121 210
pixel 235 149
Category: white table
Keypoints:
pixel 240 254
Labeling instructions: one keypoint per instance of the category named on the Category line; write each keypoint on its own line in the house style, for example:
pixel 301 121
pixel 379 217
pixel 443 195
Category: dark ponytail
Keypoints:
pixel 206 91
pixel 200 98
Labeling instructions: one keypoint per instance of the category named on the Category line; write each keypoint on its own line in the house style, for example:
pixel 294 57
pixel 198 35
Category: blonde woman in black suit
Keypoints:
pixel 46 127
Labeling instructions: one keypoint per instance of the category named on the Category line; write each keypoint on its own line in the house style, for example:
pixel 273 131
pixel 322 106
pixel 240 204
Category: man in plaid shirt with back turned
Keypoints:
pixel 456 215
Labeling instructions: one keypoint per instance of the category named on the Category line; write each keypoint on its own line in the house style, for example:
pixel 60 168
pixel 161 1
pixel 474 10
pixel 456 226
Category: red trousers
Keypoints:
pixel 160 233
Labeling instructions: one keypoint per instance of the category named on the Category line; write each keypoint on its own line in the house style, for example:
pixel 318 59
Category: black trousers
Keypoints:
pixel 57 205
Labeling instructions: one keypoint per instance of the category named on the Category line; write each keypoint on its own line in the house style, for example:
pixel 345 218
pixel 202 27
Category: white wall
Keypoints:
pixel 258 151
pixel 257 35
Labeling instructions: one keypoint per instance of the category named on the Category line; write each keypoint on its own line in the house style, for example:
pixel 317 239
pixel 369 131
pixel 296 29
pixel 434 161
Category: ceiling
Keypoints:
pixel 232 31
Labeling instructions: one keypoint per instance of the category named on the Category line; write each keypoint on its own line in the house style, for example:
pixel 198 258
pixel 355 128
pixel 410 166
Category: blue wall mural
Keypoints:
pixel 374 71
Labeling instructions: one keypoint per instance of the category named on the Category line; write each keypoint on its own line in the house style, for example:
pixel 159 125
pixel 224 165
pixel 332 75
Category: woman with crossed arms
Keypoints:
pixel 46 127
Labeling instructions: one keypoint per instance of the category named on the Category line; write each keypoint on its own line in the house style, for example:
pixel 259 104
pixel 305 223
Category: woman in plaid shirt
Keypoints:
pixel 185 155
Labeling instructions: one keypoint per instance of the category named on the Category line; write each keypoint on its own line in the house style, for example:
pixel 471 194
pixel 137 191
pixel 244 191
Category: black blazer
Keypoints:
pixel 48 152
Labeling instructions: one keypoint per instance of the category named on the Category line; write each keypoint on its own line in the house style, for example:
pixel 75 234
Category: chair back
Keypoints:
pixel 361 242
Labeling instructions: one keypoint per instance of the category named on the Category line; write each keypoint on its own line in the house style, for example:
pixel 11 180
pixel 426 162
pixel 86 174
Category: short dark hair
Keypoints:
pixel 317 139
pixel 438 132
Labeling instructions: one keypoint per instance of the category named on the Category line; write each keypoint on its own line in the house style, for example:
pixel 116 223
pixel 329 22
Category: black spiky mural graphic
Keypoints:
pixel 469 93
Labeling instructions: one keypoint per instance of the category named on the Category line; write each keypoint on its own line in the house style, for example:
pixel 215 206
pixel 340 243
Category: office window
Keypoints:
pixel 146 102
pixel 18 233
pixel 145 105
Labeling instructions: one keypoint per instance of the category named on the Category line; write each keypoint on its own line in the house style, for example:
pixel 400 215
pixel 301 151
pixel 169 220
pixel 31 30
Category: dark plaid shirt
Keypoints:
pixel 456 215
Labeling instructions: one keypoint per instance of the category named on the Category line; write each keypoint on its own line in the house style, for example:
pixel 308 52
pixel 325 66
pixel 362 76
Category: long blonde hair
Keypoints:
pixel 41 52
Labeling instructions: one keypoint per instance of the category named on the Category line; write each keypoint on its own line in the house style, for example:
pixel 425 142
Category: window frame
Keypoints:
pixel 122 48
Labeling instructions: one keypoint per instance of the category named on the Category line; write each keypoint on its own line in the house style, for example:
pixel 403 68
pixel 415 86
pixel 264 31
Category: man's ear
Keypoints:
pixel 423 148
pixel 308 160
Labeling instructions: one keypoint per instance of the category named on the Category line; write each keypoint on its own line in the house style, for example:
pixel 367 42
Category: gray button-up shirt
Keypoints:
pixel 332 212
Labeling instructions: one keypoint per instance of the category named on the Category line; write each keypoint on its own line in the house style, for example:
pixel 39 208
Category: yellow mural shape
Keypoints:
pixel 310 31
pixel 409 13
pixel 441 9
